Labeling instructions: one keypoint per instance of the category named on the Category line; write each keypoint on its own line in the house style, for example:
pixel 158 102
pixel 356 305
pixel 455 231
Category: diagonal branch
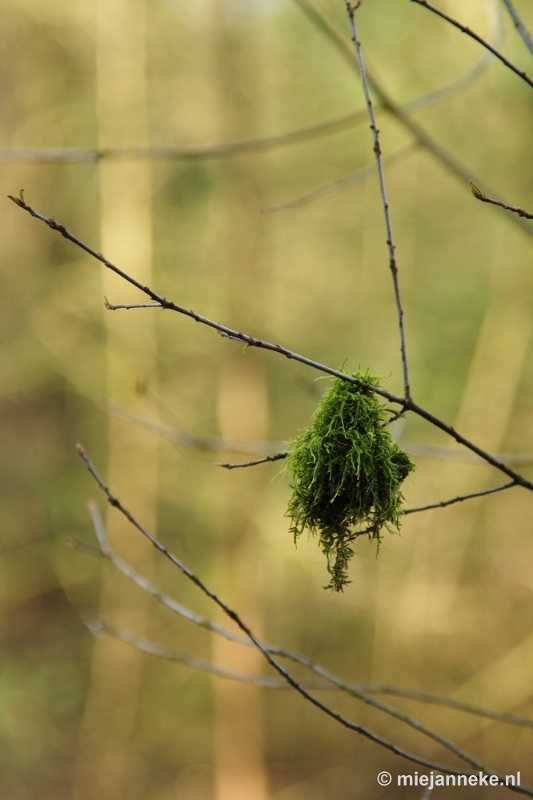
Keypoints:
pixel 459 498
pixel 229 333
pixel 346 182
pixel 384 202
pixel 479 195
pixel 407 404
pixel 116 503
pixel 477 38
pixel 99 625
pixel 400 113
pixel 331 681
pixel 519 25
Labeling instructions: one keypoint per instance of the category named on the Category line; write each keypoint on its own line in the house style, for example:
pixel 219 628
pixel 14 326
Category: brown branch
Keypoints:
pixel 116 503
pixel 223 330
pixel 477 38
pixel 331 682
pixel 478 194
pixel 459 498
pixel 407 404
pixel 264 460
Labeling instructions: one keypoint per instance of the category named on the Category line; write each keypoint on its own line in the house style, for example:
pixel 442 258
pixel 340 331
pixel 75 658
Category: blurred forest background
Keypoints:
pixel 447 607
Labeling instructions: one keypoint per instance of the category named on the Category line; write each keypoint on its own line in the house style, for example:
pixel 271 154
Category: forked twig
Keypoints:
pixel 400 113
pixel 384 202
pixel 407 404
pixel 473 35
pixel 331 681
pixel 479 195
pixel 116 503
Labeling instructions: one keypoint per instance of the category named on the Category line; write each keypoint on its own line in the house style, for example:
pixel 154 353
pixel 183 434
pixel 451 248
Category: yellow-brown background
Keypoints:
pixel 448 606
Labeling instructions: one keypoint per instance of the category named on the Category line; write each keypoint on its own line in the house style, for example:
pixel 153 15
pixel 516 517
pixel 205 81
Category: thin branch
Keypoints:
pixel 346 182
pixel 331 682
pixel 73 155
pixel 127 306
pixel 407 404
pixel 439 152
pixel 209 443
pixel 98 625
pixel 116 503
pixel 438 423
pixel 477 38
pixel 264 460
pixel 467 79
pixel 223 330
pixel 457 705
pixel 383 193
pixel 438 451
pixel 478 194
pixel 459 498
pixel 519 25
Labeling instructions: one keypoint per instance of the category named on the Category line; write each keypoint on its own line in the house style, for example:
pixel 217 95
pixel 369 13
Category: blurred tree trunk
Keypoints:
pixel 105 767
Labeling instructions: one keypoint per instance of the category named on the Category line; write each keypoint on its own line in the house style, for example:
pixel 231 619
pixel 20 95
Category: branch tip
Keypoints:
pixel 476 191
pixel 18 200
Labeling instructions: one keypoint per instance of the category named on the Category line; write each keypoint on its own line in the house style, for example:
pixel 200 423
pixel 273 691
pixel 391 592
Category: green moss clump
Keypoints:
pixel 346 474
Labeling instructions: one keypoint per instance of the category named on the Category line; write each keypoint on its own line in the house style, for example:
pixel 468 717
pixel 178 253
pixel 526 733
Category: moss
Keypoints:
pixel 346 474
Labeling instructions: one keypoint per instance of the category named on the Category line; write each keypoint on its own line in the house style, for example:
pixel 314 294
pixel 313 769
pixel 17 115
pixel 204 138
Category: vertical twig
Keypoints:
pixel 379 167
pixel 519 25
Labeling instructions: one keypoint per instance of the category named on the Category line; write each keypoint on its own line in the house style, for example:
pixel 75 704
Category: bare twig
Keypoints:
pixel 519 25
pixel 438 451
pixel 459 498
pixel 330 682
pixel 400 113
pixel 477 38
pixel 73 155
pixel 468 78
pixel 346 182
pixel 407 404
pixel 264 460
pixel 223 330
pixel 116 503
pixel 127 306
pixel 179 436
pixel 457 705
pixel 383 193
pixel 478 194
pixel 98 625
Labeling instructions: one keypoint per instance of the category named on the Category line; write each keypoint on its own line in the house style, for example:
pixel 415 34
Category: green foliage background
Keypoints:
pixel 448 605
